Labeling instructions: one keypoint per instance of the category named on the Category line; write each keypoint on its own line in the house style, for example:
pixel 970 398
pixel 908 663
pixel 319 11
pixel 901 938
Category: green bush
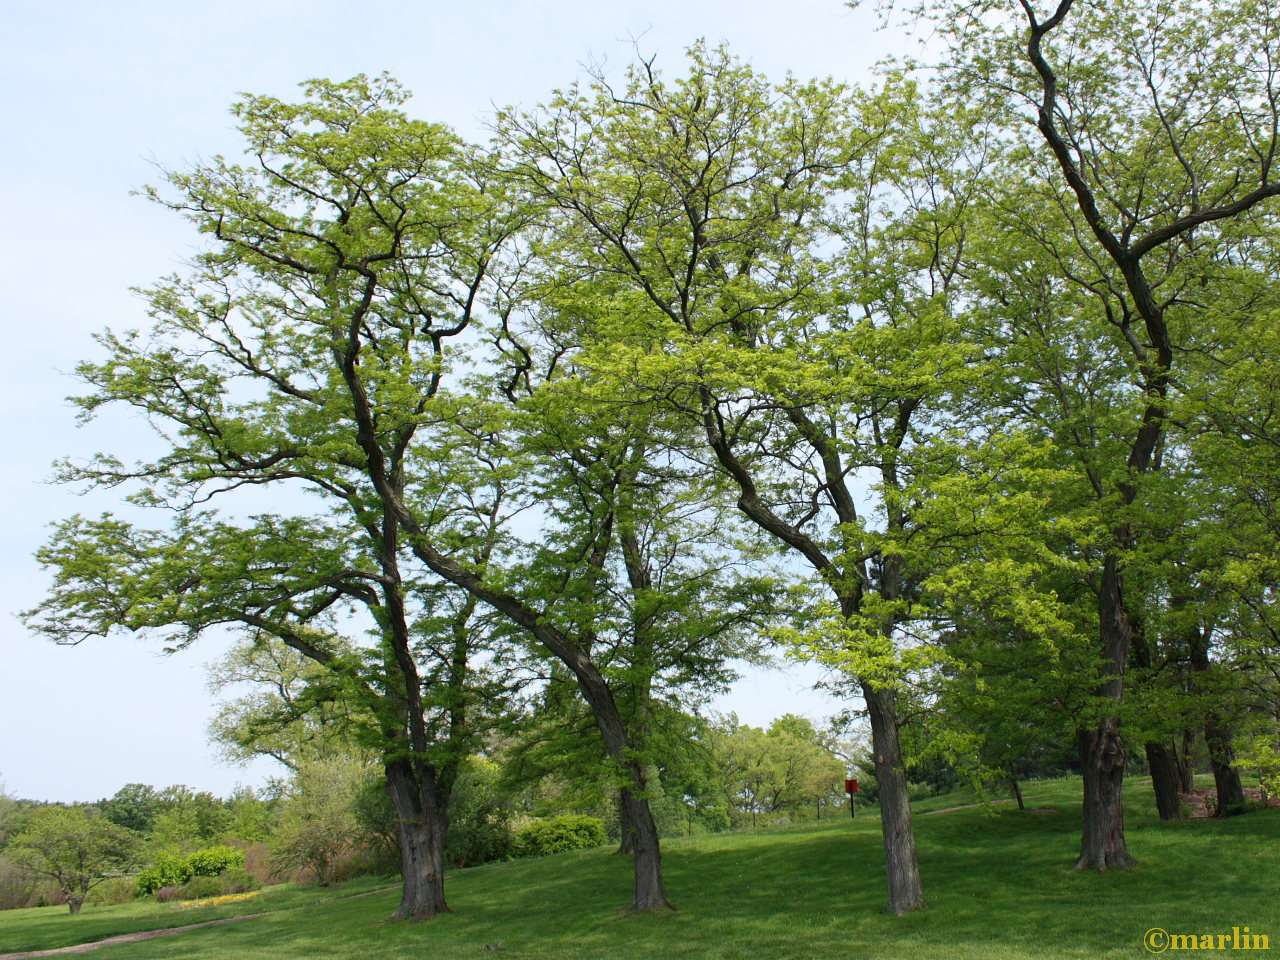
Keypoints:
pixel 113 891
pixel 212 861
pixel 167 871
pixel 197 888
pixel 238 880
pixel 570 831
pixel 479 816
pixel 174 871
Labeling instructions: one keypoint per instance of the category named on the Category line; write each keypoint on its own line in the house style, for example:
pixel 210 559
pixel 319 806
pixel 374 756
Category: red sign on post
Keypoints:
pixel 851 786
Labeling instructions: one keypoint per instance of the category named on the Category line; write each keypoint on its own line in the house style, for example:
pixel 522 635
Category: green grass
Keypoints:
pixel 42 928
pixel 999 885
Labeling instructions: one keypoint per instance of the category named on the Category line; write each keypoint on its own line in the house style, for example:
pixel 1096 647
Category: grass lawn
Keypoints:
pixel 999 885
pixel 41 928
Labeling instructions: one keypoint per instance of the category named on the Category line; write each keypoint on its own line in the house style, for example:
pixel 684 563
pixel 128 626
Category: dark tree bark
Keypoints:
pixel 1217 734
pixel 1166 780
pixel 1102 756
pixel 1226 779
pixel 650 894
pixel 905 890
pixel 1102 753
pixel 74 904
pixel 1017 792
pixel 1161 760
pixel 423 827
pixel 626 832
pixel 1186 771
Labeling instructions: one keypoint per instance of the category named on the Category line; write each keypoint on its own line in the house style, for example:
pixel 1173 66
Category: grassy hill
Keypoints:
pixel 999 885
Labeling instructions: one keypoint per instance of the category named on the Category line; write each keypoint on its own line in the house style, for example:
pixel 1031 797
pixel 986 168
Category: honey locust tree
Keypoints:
pixel 629 578
pixel 783 256
pixel 1152 132
pixel 298 363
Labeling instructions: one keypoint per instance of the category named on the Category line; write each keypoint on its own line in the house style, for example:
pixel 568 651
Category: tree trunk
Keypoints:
pixel 74 904
pixel 1102 754
pixel 1161 761
pixel 1017 792
pixel 1226 779
pixel 626 832
pixel 1165 780
pixel 903 874
pixel 423 826
pixel 1217 735
pixel 1186 772
pixel 650 894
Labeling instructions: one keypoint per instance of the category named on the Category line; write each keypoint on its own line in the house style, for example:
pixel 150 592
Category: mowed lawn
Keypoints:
pixel 999 884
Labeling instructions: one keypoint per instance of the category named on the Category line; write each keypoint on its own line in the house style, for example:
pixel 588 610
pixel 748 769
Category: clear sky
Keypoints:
pixel 93 95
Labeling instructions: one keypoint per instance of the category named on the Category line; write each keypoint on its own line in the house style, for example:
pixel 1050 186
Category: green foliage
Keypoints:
pixel 783 771
pixel 113 891
pixel 318 823
pixel 1261 755
pixel 238 880
pixel 76 848
pixel 990 391
pixel 212 861
pixel 558 834
pixel 200 887
pixel 135 805
pixel 232 879
pixel 168 870
pixel 479 816
pixel 187 820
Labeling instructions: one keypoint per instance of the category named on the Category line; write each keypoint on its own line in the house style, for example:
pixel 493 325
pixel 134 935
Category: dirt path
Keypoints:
pixel 125 938
pixel 171 931
pixel 934 813
pixel 969 806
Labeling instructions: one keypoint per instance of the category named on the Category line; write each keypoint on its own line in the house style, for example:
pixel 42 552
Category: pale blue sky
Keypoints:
pixel 92 94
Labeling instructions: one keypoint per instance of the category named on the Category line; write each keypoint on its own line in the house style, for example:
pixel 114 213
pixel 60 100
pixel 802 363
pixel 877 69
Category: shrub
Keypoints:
pixel 173 871
pixel 570 831
pixel 317 821
pixel 1261 755
pixel 169 894
pixel 167 871
pixel 197 888
pixel 113 891
pixel 238 880
pixel 211 861
pixel 17 886
pixel 479 815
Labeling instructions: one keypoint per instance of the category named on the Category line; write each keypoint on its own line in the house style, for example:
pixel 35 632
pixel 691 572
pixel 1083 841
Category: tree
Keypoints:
pixel 318 819
pixel 757 290
pixel 135 805
pixel 314 346
pixel 642 595
pixel 1154 137
pixel 289 713
pixel 302 352
pixel 784 768
pixel 76 848
pixel 8 815
pixel 187 820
